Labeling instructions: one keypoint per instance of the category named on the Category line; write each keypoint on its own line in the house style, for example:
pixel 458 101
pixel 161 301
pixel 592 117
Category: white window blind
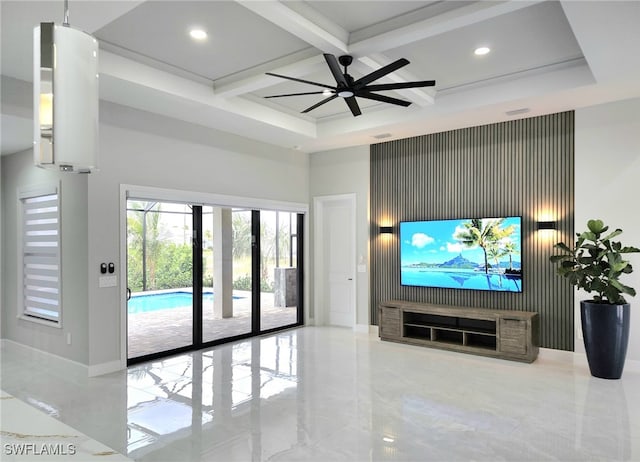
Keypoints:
pixel 41 255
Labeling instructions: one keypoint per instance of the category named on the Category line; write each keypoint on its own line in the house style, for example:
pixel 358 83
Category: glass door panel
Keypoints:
pixel 226 298
pixel 199 275
pixel 278 269
pixel 159 277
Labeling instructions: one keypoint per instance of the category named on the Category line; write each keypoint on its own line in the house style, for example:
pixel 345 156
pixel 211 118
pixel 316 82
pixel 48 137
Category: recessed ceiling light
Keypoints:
pixel 481 51
pixel 198 34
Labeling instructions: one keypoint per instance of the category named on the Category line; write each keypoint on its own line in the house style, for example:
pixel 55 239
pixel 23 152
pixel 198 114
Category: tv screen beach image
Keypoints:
pixel 474 253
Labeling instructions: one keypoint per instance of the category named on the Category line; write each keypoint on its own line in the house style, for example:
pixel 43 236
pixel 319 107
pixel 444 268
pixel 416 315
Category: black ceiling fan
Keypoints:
pixel 348 88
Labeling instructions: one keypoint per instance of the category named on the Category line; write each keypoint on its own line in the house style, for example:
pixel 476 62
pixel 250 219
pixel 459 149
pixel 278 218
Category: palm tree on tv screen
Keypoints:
pixel 495 252
pixel 484 234
pixel 510 249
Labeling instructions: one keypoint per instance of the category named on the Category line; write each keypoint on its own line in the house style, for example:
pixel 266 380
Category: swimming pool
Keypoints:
pixel 145 303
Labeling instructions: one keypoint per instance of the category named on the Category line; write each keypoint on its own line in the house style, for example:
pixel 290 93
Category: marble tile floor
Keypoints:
pixel 327 394
pixel 28 434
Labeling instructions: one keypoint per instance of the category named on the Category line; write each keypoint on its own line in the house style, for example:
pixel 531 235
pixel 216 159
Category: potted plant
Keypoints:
pixel 595 265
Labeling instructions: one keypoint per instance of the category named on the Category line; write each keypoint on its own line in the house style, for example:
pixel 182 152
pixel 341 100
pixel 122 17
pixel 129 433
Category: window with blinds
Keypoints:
pixel 41 254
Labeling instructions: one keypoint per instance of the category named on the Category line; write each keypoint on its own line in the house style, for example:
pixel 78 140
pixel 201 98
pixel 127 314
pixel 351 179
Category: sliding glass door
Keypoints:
pixel 159 277
pixel 202 275
pixel 227 282
pixel 278 269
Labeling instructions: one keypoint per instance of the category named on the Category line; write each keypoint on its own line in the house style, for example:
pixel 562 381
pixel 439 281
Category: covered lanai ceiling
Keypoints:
pixel 545 57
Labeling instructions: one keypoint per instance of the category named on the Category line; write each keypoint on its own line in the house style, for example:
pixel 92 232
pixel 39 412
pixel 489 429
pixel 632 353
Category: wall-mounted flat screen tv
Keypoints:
pixel 473 253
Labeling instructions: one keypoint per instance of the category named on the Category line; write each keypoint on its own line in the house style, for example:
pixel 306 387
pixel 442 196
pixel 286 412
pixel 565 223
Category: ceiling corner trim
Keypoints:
pixel 300 26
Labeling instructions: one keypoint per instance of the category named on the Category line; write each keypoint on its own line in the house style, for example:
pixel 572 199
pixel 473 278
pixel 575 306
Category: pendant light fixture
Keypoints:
pixel 65 97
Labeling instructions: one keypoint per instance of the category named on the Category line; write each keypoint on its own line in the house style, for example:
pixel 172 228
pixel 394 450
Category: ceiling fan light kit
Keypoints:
pixel 348 88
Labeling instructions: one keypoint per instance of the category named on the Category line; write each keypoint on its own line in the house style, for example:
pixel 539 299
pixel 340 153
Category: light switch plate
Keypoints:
pixel 107 281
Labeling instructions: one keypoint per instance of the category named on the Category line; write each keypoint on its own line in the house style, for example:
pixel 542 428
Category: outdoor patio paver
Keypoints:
pixel 162 330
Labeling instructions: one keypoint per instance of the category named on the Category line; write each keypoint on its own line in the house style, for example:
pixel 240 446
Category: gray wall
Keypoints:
pixel 518 168
pixel 144 149
pixel 345 171
pixel 18 171
pixel 607 176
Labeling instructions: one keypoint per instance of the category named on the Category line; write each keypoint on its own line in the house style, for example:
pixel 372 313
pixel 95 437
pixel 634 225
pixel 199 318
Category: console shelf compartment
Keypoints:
pixel 498 333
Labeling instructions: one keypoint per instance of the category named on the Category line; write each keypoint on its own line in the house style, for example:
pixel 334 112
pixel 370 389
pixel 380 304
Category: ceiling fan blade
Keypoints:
pixel 300 80
pixel 375 75
pixel 399 85
pixel 335 70
pixel 326 100
pixel 353 105
pixel 296 94
pixel 383 98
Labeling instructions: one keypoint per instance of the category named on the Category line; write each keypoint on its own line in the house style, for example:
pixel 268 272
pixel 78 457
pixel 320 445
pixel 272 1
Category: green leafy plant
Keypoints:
pixel 596 263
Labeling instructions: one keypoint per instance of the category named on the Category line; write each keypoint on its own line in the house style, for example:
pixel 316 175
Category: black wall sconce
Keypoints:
pixel 547 225
pixel 386 229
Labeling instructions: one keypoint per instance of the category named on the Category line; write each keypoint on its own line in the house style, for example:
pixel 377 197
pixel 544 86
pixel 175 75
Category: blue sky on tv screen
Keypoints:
pixel 433 241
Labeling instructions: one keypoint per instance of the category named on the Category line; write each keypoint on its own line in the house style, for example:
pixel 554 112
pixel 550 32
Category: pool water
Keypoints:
pixel 145 303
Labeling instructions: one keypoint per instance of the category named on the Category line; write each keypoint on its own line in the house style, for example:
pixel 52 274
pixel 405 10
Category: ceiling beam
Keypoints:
pixel 256 78
pixel 118 70
pixel 305 27
pixel 304 23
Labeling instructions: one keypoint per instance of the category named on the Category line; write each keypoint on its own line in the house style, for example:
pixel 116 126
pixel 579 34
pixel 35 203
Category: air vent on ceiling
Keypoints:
pixel 522 110
pixel 382 136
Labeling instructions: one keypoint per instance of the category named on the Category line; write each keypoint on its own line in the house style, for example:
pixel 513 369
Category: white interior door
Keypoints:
pixel 338 257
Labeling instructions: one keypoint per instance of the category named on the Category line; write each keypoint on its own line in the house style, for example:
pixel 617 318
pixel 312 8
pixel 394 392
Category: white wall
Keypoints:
pixel 340 172
pixel 18 171
pixel 607 173
pixel 138 148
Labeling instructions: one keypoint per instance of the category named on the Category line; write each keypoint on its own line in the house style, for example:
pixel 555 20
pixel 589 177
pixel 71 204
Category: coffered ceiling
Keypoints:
pixel 546 56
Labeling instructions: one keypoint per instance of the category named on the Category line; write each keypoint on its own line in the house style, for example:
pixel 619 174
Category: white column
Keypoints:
pixel 222 263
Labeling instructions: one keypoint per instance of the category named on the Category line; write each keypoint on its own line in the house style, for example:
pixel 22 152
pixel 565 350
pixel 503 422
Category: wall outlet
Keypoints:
pixel 68 338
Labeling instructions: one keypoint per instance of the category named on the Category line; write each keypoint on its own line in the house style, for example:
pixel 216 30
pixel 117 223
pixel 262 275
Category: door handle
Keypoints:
pixel 349 279
pixel 128 294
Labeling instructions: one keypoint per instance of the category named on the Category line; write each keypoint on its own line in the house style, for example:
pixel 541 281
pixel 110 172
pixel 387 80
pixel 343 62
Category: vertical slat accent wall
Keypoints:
pixel 517 168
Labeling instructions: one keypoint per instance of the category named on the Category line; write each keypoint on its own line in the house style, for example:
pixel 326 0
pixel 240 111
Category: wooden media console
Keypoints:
pixel 503 334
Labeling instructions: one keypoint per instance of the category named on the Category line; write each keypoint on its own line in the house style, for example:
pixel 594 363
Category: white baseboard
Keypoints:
pixel 632 365
pixel 580 359
pixel 37 354
pixel 106 368
pixel 562 356
pixel 365 329
pixel 81 369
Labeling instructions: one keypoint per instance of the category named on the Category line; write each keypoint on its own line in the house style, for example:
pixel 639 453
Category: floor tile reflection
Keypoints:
pixel 328 394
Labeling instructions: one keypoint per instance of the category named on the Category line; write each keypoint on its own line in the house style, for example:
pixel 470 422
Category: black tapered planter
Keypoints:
pixel 606 336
